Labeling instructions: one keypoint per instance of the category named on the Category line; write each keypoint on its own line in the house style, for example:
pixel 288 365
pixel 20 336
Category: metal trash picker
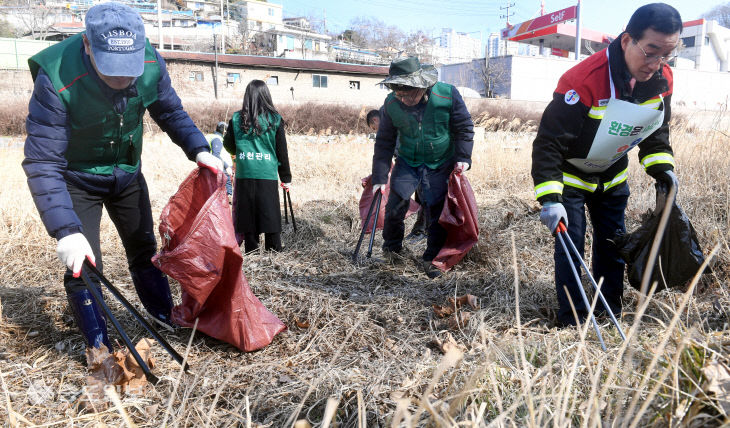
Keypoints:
pixel 593 281
pixel 559 234
pixel 88 267
pixel 376 205
pixel 287 196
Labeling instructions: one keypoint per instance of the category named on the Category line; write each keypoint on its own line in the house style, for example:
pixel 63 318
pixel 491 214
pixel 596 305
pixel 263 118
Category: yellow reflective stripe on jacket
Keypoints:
pixel 652 103
pixel 618 179
pixel 548 187
pixel 573 181
pixel 210 138
pixel 657 158
pixel 597 112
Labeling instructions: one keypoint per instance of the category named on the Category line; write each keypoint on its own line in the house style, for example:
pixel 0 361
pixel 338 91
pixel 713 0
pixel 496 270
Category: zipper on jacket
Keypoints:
pixel 420 140
pixel 121 124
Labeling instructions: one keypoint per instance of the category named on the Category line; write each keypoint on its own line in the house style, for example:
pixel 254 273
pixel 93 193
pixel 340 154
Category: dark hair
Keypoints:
pixel 220 128
pixel 658 16
pixel 372 114
pixel 256 102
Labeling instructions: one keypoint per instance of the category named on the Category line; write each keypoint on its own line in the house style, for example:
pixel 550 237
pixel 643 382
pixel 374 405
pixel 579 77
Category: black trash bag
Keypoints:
pixel 680 255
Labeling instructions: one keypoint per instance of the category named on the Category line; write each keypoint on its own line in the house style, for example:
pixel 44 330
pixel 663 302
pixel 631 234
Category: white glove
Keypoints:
pixel 229 171
pixel 286 186
pixel 378 187
pixel 72 250
pixel 461 167
pixel 207 160
pixel 553 213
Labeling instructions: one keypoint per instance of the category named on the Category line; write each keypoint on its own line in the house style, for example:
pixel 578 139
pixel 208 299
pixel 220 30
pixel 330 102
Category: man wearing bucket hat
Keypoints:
pixel 609 103
pixel 83 152
pixel 436 136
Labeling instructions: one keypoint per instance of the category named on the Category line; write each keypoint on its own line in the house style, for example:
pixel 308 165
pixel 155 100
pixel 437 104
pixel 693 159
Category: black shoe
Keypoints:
pixel 416 235
pixel 431 271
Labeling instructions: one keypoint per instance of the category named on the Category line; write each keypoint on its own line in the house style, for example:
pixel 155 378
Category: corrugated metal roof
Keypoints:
pixel 273 62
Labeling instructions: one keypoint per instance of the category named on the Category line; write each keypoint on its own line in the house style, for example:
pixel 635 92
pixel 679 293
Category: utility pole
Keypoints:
pixel 223 35
pixel 215 75
pixel 325 21
pixel 506 16
pixel 160 44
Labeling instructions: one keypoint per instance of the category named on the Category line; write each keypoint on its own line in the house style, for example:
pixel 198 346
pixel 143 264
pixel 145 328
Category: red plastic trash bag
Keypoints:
pixel 200 252
pixel 367 198
pixel 459 218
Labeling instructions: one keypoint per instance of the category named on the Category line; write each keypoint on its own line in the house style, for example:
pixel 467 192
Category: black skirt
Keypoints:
pixel 256 206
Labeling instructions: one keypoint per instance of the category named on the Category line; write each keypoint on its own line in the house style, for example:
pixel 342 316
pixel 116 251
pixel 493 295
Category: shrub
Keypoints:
pixel 12 117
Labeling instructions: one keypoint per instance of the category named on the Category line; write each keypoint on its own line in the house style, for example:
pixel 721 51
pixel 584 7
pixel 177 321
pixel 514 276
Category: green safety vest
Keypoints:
pixel 100 138
pixel 256 154
pixel 428 142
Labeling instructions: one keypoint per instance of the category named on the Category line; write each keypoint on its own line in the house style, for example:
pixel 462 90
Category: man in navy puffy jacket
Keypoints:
pixel 84 147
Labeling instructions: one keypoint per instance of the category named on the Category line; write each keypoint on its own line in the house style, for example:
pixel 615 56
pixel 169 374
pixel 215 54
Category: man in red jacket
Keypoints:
pixel 603 107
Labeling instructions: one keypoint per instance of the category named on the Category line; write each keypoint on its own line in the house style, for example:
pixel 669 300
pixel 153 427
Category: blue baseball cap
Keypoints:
pixel 117 38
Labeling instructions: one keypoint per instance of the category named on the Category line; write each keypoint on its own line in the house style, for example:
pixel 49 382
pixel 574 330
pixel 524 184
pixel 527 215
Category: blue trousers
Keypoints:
pixel 607 216
pixel 432 185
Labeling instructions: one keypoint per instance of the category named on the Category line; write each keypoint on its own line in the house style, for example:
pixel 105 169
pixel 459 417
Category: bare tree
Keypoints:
pixel 420 45
pixel 34 17
pixel 489 76
pixel 720 13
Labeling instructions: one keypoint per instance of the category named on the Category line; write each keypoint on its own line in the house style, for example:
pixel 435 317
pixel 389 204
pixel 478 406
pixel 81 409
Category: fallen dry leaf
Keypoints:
pixel 301 324
pixel 443 311
pixel 451 345
pixel 448 344
pixel 118 369
pixel 458 320
pixel 717 384
pixel 466 299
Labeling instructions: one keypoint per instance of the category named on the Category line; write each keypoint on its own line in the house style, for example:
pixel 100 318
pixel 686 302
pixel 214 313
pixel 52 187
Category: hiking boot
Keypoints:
pixel 431 271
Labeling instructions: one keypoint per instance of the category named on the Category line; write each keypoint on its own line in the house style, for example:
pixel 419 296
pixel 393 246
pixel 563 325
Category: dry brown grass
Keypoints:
pixel 369 344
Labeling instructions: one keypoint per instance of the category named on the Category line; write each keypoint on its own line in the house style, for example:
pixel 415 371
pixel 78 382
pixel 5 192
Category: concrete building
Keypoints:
pixel 261 15
pixel 290 80
pixel 496 46
pixel 265 27
pixel 343 51
pixel 706 44
pixel 453 47
pixel 204 7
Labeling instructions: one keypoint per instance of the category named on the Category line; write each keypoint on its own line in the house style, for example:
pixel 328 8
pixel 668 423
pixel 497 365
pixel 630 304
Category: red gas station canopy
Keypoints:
pixel 551 30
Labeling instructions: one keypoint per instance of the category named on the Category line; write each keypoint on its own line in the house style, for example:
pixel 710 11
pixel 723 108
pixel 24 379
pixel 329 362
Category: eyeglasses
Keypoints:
pixel 653 59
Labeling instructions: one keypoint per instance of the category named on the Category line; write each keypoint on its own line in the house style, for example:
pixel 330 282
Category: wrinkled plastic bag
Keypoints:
pixel 200 251
pixel 680 255
pixel 460 219
pixel 367 198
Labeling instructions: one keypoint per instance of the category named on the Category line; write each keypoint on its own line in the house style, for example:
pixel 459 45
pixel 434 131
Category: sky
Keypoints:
pixel 430 16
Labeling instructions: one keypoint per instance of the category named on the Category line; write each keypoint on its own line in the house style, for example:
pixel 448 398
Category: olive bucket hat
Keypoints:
pixel 410 72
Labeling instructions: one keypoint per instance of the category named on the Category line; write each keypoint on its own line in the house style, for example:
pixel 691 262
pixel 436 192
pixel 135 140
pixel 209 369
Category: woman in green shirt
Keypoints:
pixel 256 135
